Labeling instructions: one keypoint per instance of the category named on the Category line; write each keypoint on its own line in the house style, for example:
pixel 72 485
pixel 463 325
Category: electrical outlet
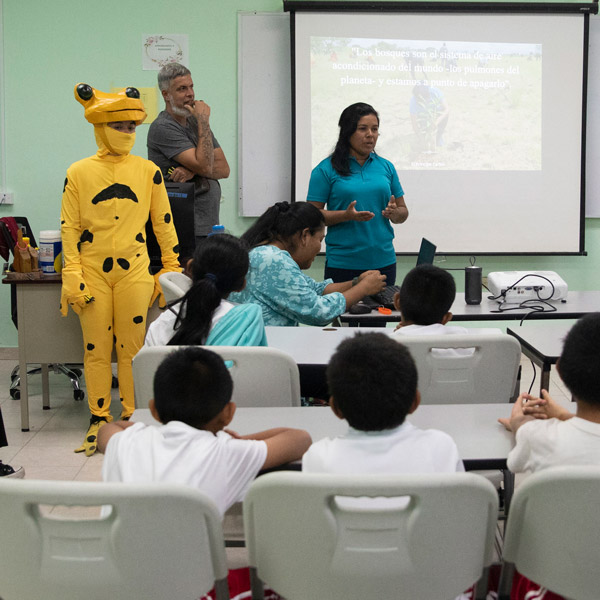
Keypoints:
pixel 6 198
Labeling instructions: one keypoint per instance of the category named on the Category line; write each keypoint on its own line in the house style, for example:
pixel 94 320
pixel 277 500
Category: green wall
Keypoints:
pixel 50 46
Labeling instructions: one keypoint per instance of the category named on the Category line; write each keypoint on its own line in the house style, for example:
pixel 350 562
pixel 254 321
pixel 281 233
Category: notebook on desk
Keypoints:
pixel 385 298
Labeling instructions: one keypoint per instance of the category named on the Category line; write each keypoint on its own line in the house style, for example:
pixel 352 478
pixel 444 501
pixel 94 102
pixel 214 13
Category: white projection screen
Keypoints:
pixel 504 174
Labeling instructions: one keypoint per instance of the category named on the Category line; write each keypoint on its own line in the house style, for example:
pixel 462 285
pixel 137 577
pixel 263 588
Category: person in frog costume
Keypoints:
pixel 107 199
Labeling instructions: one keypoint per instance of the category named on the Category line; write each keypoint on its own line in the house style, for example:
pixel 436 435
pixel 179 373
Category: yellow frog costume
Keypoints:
pixel 107 199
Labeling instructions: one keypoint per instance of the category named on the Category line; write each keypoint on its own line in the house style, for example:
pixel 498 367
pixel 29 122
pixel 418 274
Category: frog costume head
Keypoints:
pixel 102 108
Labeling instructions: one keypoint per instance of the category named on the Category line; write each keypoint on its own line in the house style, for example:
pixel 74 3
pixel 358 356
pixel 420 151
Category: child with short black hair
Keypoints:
pixel 424 301
pixel 192 398
pixel 548 435
pixel 373 384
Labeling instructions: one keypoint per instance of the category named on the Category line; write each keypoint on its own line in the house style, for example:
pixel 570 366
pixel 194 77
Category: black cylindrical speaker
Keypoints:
pixel 473 285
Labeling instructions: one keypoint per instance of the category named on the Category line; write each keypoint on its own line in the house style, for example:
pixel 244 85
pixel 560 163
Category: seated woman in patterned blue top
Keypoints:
pixel 285 240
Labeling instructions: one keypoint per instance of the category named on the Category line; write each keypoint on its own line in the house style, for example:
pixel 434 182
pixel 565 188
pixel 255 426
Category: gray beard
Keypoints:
pixel 180 112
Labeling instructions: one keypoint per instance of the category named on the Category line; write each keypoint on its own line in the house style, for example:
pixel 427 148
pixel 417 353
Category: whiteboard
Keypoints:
pixel 264 111
pixel 264 89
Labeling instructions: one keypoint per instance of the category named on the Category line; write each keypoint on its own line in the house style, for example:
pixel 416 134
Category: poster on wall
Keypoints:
pixel 161 49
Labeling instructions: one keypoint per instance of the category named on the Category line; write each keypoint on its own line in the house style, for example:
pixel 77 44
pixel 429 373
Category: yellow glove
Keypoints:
pixel 74 293
pixel 77 303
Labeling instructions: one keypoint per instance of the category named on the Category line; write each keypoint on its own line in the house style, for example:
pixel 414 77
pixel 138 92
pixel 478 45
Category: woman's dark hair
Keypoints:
pixel 219 267
pixel 340 159
pixel 282 221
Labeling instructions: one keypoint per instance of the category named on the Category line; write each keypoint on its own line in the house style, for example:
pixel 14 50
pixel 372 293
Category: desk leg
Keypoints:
pixel 545 377
pixel 45 388
pixel 509 489
pixel 24 393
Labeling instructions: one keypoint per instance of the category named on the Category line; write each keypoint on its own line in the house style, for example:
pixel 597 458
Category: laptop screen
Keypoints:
pixel 426 253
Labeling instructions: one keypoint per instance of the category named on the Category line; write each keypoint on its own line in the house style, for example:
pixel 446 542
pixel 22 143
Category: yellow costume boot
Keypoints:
pixel 90 443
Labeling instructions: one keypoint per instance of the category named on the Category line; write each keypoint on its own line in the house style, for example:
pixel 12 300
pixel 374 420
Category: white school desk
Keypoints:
pixel 577 305
pixel 315 345
pixel 312 345
pixel 543 345
pixel 482 442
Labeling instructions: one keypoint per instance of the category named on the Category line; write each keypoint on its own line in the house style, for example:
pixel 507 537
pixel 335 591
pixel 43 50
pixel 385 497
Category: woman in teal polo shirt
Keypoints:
pixel 362 194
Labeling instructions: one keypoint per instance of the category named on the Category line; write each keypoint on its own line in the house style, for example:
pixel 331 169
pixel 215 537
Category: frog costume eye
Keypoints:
pixel 101 107
pixel 85 91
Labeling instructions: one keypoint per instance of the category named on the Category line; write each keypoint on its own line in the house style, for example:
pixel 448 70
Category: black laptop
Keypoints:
pixel 385 298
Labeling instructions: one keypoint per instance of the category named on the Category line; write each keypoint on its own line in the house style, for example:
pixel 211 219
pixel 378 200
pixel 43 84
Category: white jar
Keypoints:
pixel 50 256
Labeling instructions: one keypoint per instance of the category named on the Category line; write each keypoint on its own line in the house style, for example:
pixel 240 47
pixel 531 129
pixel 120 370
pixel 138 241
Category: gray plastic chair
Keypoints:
pixel 487 375
pixel 306 544
pixel 157 542
pixel 261 376
pixel 174 285
pixel 552 532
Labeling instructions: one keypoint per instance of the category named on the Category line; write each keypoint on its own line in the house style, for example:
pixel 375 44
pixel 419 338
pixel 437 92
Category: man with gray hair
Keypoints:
pixel 181 143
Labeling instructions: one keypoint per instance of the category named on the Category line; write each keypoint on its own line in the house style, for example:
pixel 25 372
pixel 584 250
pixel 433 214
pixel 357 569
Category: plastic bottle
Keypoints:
pixel 50 251
pixel 217 229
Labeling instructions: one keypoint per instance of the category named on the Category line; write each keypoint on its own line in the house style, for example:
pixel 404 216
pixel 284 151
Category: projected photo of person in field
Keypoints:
pixel 429 113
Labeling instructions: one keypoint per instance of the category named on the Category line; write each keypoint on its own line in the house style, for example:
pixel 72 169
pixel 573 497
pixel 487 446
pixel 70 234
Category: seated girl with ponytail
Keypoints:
pixel 203 316
pixel 284 241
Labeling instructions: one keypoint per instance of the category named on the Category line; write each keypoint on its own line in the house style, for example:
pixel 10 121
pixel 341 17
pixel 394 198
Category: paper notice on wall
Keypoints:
pixel 161 49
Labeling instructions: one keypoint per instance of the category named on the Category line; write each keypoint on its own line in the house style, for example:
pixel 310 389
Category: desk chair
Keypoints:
pixel 305 544
pixel 159 541
pixel 71 371
pixel 487 375
pixel 261 376
pixel 552 532
pixel 174 285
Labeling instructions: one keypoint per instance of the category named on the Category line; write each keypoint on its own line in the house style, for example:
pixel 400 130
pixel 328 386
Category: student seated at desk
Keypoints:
pixel 548 435
pixel 424 300
pixel 285 240
pixel 192 400
pixel 203 316
pixel 373 384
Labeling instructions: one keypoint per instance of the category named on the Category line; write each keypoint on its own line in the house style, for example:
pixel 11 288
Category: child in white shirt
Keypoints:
pixel 192 398
pixel 547 434
pixel 373 385
pixel 424 302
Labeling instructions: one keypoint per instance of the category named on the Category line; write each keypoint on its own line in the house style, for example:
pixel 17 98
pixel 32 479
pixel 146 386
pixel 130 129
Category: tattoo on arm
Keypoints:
pixel 205 145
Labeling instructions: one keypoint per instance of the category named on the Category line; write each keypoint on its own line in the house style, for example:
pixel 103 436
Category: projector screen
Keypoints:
pixel 481 114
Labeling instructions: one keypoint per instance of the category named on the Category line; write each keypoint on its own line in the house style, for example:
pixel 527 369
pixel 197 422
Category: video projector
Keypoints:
pixel 519 286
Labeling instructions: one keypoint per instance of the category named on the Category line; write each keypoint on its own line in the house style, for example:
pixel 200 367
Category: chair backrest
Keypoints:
pixel 157 542
pixel 552 532
pixel 23 223
pixel 303 544
pixel 174 285
pixel 450 374
pixel 261 376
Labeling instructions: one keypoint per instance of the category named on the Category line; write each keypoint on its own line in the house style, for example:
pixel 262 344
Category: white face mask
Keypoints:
pixel 111 141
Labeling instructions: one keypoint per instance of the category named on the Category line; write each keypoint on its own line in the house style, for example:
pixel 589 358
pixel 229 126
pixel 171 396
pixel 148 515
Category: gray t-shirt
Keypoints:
pixel 166 139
